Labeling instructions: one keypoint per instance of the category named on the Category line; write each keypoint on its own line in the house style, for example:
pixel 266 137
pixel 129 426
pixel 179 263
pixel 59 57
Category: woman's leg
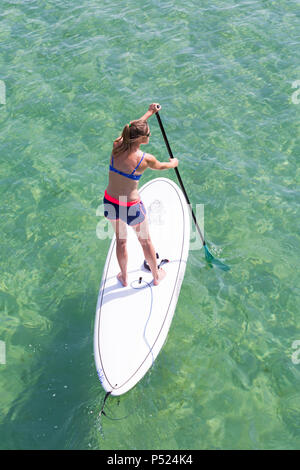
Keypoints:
pixel 120 229
pixel 142 231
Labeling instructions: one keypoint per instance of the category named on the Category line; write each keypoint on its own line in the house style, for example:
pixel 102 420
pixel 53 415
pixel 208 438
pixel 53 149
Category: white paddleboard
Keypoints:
pixel 132 322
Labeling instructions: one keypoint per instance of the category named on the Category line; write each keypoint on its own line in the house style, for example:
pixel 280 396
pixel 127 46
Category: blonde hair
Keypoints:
pixel 131 133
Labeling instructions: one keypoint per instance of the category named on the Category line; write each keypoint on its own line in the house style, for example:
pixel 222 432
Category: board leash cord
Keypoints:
pixel 102 412
pixel 149 316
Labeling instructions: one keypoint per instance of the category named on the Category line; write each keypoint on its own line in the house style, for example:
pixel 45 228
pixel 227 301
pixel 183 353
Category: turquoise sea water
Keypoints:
pixel 72 74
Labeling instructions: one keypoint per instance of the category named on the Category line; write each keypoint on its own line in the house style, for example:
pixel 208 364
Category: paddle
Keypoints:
pixel 208 256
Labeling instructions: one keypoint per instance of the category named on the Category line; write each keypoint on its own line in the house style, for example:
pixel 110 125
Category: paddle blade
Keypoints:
pixel 211 260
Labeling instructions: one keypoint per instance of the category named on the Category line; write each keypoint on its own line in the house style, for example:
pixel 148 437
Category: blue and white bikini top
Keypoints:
pixel 132 176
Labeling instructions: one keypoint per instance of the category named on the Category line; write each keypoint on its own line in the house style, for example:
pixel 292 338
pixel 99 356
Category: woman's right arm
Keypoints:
pixel 155 164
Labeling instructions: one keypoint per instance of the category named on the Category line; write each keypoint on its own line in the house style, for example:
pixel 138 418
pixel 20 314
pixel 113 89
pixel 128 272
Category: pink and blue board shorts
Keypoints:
pixel 132 213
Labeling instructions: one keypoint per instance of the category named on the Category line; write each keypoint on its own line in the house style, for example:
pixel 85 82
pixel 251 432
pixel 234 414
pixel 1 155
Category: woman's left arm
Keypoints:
pixel 153 108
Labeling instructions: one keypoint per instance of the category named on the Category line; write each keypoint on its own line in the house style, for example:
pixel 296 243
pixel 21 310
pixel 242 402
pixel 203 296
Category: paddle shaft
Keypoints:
pixel 178 176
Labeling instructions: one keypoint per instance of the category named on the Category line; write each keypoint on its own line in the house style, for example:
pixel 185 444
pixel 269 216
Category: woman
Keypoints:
pixel 122 204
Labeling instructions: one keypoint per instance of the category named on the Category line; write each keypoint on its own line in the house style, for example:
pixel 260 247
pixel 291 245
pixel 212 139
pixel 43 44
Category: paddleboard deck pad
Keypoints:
pixel 132 322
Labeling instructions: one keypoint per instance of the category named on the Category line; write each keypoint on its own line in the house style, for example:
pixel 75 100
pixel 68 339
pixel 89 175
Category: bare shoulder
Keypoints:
pixel 152 162
pixel 149 158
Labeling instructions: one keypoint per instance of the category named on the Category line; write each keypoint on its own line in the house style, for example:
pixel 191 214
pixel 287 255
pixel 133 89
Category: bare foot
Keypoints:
pixel 122 280
pixel 161 275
